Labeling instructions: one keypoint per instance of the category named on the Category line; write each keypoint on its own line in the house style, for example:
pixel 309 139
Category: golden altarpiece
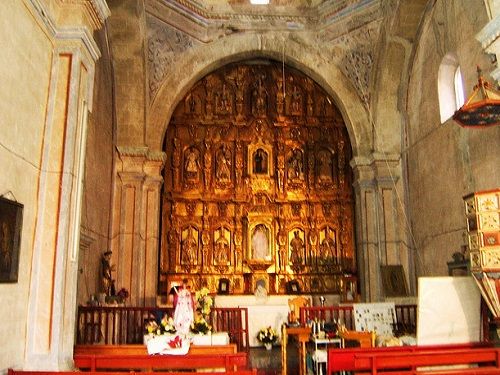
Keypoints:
pixel 257 185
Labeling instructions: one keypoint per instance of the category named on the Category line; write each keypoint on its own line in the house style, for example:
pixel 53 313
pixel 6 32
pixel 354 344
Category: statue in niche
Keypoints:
pixel 296 101
pixel 296 248
pixel 192 163
pixel 259 97
pixel 260 242
pixel 191 103
pixel 260 162
pixel 325 166
pixel 189 248
pixel 223 100
pixel 222 249
pixel 329 245
pixel 223 172
pixel 296 166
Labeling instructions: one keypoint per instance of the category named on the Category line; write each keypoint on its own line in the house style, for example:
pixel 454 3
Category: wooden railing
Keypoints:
pixel 125 324
pixel 406 316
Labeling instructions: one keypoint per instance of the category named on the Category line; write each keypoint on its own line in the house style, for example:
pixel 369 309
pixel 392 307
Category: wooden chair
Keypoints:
pixel 365 339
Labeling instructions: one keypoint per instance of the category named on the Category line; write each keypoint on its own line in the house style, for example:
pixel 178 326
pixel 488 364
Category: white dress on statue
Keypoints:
pixel 183 315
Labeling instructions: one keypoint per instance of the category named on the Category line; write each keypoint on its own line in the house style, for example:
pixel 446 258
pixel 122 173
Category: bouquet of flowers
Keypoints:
pixel 165 326
pixel 203 301
pixel 200 325
pixel 267 335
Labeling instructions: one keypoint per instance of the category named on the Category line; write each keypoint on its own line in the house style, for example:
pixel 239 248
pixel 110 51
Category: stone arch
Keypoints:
pixel 202 60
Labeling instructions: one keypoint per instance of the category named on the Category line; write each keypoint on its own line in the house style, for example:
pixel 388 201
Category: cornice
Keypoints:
pixel 318 18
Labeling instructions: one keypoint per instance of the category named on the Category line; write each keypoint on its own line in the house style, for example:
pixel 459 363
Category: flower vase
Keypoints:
pixel 268 345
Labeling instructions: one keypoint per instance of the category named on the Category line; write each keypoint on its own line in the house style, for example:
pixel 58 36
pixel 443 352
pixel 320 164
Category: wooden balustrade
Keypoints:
pixel 406 316
pixel 122 325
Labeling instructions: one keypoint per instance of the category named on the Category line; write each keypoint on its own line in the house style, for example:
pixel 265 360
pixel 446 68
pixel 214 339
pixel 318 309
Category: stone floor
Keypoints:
pixel 268 362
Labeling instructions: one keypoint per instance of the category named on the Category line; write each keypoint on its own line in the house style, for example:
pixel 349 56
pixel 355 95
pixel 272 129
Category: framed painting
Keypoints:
pixel 223 286
pixel 393 281
pixel 11 220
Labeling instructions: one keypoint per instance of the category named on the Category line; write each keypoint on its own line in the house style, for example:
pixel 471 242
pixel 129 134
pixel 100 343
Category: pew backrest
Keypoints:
pixel 127 362
pixel 343 359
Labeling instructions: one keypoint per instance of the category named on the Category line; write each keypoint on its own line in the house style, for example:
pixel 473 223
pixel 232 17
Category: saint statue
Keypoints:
pixel 222 250
pixel 260 162
pixel 192 163
pixel 189 248
pixel 223 172
pixel 296 248
pixel 107 282
pixel 184 308
pixel 328 245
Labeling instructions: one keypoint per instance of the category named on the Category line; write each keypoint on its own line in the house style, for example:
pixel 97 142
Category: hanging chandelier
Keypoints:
pixel 482 109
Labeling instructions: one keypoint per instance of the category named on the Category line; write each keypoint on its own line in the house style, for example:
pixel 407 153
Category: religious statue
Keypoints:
pixel 107 282
pixel 260 243
pixel 189 248
pixel 222 250
pixel 325 166
pixel 260 162
pixel 296 166
pixel 296 248
pixel 191 164
pixel 223 172
pixel 259 98
pixel 328 246
pixel 184 308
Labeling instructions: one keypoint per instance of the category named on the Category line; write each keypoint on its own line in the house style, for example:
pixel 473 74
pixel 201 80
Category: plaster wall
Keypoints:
pixel 24 73
pixel 445 161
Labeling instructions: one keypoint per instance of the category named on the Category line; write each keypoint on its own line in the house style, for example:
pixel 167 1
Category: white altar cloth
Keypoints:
pixel 218 338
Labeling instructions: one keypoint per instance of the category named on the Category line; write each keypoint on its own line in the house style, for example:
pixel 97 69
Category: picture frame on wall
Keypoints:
pixel 223 286
pixel 11 220
pixel 293 287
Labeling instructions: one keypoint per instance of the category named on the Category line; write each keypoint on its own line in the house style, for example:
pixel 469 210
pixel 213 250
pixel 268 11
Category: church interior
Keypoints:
pixel 295 150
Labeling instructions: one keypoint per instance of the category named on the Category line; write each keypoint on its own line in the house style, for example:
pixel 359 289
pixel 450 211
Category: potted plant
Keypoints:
pixel 267 336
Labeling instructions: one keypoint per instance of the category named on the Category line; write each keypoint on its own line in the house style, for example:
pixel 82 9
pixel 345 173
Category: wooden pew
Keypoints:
pixel 344 359
pixel 19 372
pixel 388 362
pixel 141 349
pixel 128 362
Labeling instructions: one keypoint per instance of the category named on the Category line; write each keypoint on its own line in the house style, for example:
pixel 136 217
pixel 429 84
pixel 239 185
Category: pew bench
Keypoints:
pixel 409 362
pixel 344 359
pixel 94 362
pixel 20 372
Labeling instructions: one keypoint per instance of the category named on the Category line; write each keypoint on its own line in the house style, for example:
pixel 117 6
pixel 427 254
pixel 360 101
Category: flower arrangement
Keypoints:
pixel 203 301
pixel 122 294
pixel 165 326
pixel 200 325
pixel 267 335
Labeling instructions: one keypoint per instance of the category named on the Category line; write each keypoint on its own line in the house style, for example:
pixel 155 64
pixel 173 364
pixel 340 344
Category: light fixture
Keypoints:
pixel 259 2
pixel 482 109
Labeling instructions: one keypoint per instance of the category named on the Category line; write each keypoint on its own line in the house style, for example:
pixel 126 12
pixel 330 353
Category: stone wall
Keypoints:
pixel 96 204
pixel 445 161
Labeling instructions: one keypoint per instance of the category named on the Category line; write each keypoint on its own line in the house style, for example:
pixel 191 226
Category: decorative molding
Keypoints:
pixel 489 39
pixel 164 43
pixel 144 152
pixel 80 33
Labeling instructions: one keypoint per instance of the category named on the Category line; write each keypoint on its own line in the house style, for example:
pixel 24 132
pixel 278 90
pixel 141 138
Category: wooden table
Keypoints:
pixel 302 334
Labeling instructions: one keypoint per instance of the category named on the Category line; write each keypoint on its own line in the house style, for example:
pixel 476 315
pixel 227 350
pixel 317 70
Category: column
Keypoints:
pixel 380 222
pixel 52 301
pixel 135 223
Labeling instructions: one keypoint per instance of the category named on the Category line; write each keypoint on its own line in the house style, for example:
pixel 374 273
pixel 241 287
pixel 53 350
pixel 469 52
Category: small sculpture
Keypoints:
pixel 107 282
